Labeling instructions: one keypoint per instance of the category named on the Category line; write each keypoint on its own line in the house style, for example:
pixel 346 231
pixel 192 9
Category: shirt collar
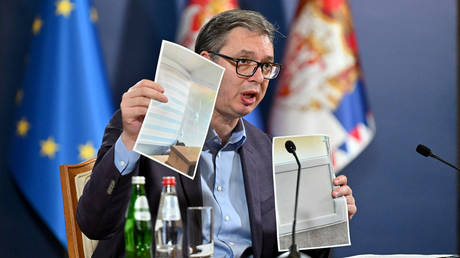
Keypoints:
pixel 236 140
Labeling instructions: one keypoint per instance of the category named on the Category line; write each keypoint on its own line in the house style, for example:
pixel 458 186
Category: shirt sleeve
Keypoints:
pixel 124 159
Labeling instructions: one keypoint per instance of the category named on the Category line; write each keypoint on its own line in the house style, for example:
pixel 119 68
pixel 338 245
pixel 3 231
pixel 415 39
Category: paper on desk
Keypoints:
pixel 191 83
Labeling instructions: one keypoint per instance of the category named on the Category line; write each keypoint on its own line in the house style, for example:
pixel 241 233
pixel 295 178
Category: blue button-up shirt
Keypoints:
pixel 223 189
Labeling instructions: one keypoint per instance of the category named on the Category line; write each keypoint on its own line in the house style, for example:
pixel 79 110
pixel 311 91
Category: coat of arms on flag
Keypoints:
pixel 196 14
pixel 321 89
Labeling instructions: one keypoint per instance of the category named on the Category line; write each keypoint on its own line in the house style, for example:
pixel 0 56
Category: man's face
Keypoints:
pixel 239 95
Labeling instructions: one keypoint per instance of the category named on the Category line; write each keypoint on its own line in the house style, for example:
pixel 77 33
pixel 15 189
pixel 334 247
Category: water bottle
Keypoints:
pixel 168 227
pixel 138 225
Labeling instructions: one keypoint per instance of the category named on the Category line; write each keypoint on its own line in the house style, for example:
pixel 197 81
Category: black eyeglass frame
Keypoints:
pixel 259 64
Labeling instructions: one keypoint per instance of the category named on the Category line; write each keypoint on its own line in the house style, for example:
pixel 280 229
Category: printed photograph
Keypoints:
pixel 173 133
pixel 322 220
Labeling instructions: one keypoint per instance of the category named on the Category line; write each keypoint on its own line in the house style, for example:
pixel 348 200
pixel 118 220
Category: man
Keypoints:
pixel 235 168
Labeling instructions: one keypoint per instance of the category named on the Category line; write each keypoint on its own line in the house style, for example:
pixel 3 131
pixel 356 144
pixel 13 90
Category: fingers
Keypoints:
pixel 342 191
pixel 347 193
pixel 134 105
pixel 136 102
pixel 352 209
pixel 350 200
pixel 147 83
pixel 345 190
pixel 134 112
pixel 340 180
pixel 142 92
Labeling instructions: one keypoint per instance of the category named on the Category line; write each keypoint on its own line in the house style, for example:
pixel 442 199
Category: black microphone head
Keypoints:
pixel 423 150
pixel 290 146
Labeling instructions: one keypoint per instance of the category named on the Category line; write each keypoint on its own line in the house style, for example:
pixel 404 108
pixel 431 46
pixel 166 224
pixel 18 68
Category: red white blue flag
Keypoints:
pixel 321 88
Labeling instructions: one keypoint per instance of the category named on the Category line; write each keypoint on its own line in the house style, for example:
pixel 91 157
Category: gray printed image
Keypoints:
pixel 322 220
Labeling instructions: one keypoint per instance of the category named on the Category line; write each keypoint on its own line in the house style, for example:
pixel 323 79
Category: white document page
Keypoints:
pixel 191 83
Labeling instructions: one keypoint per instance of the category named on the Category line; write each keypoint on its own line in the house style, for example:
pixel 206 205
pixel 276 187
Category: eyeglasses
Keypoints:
pixel 247 67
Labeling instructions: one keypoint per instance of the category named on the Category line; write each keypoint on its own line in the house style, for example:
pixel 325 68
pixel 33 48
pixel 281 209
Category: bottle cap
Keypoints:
pixel 138 180
pixel 169 180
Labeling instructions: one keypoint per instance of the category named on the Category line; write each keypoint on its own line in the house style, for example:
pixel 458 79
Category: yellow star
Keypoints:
pixel 19 96
pixel 93 15
pixel 64 7
pixel 22 127
pixel 37 25
pixel 49 147
pixel 87 151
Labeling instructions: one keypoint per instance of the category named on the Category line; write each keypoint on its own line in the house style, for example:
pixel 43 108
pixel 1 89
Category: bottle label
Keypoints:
pixel 141 209
pixel 171 209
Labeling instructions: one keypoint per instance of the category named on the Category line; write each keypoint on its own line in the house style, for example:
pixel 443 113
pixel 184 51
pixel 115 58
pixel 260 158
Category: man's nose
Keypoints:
pixel 258 76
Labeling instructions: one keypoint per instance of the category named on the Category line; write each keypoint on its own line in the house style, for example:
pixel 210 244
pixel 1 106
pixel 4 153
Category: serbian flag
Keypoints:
pixel 321 88
pixel 196 14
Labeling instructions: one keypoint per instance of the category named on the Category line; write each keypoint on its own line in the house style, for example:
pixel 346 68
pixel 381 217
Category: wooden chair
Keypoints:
pixel 73 180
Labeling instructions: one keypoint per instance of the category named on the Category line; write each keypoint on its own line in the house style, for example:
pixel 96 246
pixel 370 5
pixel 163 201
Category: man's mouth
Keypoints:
pixel 248 97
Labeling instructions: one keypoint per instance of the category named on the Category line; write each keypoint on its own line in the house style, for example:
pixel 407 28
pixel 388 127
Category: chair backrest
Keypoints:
pixel 73 180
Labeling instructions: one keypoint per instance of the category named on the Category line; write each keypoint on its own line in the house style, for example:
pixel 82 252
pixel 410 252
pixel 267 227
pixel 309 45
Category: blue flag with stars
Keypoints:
pixel 63 105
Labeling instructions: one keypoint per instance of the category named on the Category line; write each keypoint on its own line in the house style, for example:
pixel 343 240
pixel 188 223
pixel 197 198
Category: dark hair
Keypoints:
pixel 213 34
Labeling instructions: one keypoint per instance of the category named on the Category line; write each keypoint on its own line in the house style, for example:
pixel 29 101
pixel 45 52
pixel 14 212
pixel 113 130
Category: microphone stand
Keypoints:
pixel 443 161
pixel 293 252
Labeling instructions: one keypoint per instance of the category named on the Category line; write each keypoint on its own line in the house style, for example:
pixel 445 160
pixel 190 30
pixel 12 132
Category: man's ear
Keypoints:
pixel 205 54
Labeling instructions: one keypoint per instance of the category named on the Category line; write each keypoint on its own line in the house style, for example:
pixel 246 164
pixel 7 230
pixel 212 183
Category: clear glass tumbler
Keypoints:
pixel 200 232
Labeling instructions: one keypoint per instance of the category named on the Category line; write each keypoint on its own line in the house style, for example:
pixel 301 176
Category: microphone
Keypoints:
pixel 293 252
pixel 425 151
pixel 290 147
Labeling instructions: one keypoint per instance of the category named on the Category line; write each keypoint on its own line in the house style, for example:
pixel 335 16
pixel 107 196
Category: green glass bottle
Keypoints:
pixel 138 225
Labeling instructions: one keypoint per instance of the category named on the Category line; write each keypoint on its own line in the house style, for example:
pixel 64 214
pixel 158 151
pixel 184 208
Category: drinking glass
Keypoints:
pixel 200 232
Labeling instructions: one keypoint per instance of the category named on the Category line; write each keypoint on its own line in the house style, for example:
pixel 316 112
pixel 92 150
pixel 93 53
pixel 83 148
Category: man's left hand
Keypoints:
pixel 345 190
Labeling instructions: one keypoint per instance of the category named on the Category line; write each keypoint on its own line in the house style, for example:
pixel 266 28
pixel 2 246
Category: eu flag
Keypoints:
pixel 63 105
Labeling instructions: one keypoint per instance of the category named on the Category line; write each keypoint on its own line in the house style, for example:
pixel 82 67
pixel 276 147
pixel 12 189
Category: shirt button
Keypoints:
pixel 231 243
pixel 216 140
pixel 219 188
pixel 227 218
pixel 122 163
